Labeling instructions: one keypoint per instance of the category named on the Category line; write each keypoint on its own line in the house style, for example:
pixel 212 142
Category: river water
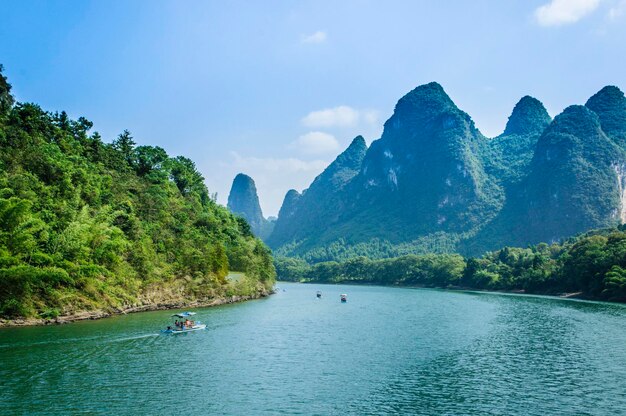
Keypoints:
pixel 385 351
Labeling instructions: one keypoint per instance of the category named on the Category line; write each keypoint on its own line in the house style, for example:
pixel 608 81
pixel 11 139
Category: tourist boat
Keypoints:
pixel 344 297
pixel 319 294
pixel 184 325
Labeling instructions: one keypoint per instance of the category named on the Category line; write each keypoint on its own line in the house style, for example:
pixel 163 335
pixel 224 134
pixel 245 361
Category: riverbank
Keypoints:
pixel 100 314
pixel 564 295
pixel 558 295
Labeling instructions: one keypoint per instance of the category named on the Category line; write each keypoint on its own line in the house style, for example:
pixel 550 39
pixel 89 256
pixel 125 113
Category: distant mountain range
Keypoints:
pixel 434 183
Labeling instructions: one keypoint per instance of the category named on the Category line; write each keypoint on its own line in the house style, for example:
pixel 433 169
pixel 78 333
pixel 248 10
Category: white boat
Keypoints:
pixel 343 297
pixel 184 325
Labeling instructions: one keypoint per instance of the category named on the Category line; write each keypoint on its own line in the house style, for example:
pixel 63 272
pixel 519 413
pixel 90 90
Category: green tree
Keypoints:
pixel 150 160
pixel 6 99
pixel 87 225
pixel 615 284
pixel 125 145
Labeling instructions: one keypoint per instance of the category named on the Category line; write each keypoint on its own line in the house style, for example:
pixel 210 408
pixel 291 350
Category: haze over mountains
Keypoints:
pixel 434 183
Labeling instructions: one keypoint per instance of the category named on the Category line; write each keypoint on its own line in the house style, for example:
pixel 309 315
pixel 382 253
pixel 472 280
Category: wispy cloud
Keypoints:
pixel 273 176
pixel 315 143
pixel 563 12
pixel 617 10
pixel 370 116
pixel 317 37
pixel 341 116
pixel 270 164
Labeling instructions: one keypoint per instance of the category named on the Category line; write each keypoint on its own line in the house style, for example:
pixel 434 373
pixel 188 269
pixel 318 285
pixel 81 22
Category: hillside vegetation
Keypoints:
pixel 88 225
pixel 592 265
pixel 433 183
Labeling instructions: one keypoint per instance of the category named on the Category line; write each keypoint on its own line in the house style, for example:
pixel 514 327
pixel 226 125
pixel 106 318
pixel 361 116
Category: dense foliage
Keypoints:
pixel 434 184
pixel 310 214
pixel 423 178
pixel 507 156
pixel 90 225
pixel 593 264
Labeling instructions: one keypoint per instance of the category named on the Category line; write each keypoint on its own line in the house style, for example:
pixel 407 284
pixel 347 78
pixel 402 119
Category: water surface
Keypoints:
pixel 386 351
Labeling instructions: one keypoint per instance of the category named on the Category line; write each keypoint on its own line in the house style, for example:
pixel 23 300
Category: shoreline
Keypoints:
pixel 561 295
pixel 101 314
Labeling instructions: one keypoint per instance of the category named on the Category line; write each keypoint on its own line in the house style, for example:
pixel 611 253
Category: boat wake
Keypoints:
pixel 135 337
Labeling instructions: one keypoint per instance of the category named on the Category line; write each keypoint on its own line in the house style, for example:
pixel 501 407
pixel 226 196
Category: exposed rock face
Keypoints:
pixel 244 201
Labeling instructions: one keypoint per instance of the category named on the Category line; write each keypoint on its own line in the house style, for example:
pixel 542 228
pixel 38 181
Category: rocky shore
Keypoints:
pixel 99 314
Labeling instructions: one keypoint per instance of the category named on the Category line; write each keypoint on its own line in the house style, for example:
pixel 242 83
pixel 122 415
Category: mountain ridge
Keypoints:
pixel 433 182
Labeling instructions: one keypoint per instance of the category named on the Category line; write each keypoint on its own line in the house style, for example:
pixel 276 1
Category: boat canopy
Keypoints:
pixel 184 314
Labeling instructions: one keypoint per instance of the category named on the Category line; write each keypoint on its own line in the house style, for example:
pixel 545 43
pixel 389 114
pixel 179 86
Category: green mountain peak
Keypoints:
pixel 243 200
pixel 434 183
pixel 528 117
pixel 305 214
pixel 610 105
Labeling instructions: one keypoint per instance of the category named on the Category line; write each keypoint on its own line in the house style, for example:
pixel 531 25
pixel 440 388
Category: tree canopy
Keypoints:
pixel 90 225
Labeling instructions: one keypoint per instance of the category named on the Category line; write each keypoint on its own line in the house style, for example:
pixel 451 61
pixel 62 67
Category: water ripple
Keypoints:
pixel 387 351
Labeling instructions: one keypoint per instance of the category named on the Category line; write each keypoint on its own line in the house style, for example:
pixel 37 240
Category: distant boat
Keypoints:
pixel 319 294
pixel 344 298
pixel 184 325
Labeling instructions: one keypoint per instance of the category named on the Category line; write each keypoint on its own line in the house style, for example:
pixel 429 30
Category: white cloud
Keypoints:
pixel 617 10
pixel 561 12
pixel 285 166
pixel 341 116
pixel 315 143
pixel 273 177
pixel 370 116
pixel 317 37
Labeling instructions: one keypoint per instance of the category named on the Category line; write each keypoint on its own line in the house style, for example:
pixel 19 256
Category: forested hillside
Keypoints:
pixel 592 266
pixel 434 184
pixel 88 225
pixel 303 216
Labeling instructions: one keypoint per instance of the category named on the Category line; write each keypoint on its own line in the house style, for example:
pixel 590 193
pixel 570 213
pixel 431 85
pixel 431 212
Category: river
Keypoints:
pixel 385 351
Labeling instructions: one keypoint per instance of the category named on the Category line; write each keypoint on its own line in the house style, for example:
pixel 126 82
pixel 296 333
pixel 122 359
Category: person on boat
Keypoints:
pixel 177 323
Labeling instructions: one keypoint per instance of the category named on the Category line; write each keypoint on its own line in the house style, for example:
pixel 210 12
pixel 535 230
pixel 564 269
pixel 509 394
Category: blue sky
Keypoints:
pixel 277 89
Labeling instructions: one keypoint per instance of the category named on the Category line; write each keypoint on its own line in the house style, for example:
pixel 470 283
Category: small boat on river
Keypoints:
pixel 319 294
pixel 344 298
pixel 183 324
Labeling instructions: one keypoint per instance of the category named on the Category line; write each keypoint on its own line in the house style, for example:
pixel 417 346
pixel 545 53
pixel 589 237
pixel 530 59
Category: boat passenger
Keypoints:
pixel 177 323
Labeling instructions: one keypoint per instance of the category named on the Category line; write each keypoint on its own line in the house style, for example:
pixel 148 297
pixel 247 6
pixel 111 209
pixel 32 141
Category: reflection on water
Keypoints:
pixel 387 350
